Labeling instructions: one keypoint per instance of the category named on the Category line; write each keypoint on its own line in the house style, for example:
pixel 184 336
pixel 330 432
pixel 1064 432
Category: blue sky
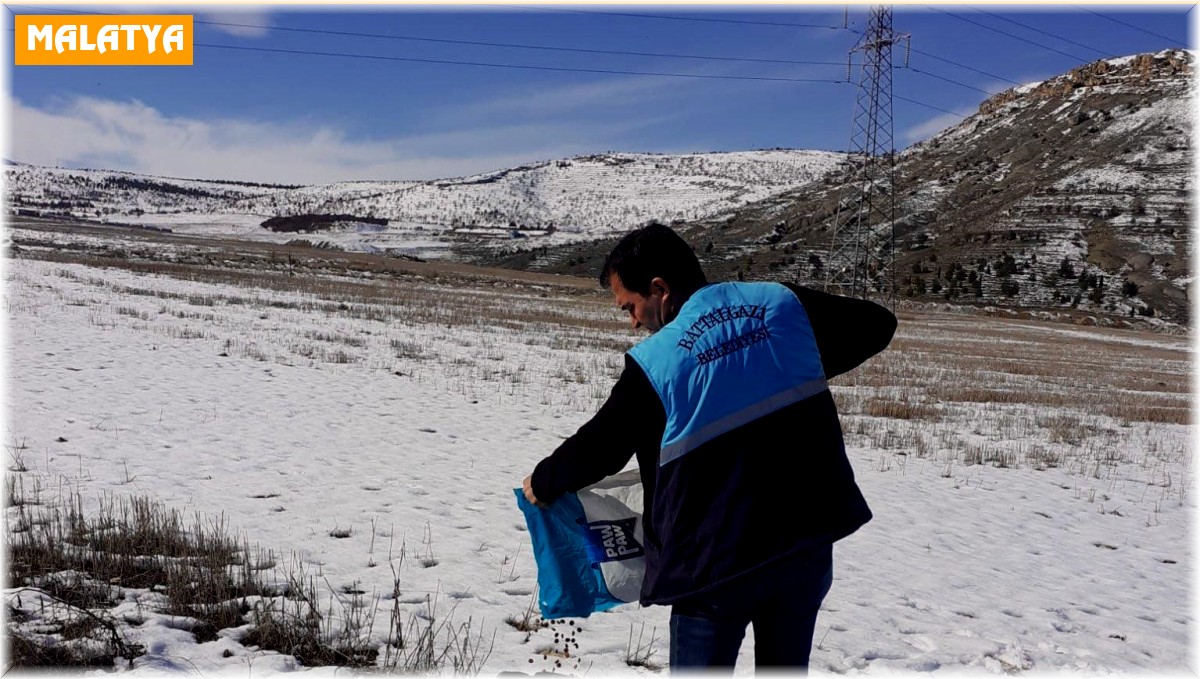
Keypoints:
pixel 295 117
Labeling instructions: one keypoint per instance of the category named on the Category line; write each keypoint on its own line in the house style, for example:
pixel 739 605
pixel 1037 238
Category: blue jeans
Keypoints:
pixel 781 600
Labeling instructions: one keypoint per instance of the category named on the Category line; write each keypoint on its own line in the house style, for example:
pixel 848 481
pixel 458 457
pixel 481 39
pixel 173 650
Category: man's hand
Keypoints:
pixel 527 486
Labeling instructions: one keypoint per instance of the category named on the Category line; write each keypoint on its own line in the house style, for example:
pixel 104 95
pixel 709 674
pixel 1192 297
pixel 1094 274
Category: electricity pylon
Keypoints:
pixel 862 252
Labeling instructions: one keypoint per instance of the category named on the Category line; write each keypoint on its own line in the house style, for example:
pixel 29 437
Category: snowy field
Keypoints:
pixel 423 240
pixel 1032 483
pixel 426 241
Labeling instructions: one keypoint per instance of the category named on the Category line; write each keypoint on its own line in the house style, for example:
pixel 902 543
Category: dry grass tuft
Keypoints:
pixel 899 409
pixel 79 566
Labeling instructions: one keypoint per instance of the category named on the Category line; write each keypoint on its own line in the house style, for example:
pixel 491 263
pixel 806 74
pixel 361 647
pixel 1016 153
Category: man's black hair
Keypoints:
pixel 654 251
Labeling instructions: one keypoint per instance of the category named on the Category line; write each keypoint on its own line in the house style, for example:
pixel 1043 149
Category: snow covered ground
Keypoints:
pixel 1032 483
pixel 413 239
pixel 426 241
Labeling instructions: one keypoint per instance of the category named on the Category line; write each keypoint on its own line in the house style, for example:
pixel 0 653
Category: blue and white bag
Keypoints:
pixel 588 547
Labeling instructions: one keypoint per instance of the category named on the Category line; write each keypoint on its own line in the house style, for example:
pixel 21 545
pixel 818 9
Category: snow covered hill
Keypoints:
pixel 1070 194
pixel 590 193
pixel 561 201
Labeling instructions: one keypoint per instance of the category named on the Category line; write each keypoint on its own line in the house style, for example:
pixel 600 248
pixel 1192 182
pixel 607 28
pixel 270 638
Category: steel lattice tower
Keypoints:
pixel 862 251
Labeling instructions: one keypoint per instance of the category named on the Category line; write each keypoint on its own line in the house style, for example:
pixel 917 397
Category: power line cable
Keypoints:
pixel 579 11
pixel 790 25
pixel 518 66
pixel 554 68
pixel 1006 33
pixel 952 82
pixel 386 36
pixel 784 24
pixel 521 46
pixel 1038 30
pixel 561 69
pixel 953 62
pixel 921 103
pixel 1173 41
pixel 965 66
pixel 793 25
pixel 677 18
pixel 562 49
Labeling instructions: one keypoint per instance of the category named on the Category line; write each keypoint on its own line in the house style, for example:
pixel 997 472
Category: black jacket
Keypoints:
pixel 766 490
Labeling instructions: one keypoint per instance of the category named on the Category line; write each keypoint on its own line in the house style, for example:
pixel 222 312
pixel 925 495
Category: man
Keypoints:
pixel 739 446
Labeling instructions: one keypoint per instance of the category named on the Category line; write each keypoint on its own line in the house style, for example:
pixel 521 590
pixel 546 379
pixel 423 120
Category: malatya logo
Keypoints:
pixel 103 40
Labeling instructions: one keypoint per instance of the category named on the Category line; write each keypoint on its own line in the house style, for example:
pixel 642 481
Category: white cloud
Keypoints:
pixel 929 128
pixel 249 21
pixel 131 136
pixel 628 92
pixel 243 23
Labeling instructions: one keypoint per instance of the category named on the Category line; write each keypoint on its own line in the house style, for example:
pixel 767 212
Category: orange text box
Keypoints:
pixel 103 40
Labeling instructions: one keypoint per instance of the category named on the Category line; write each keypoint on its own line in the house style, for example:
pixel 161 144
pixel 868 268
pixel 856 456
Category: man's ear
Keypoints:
pixel 668 304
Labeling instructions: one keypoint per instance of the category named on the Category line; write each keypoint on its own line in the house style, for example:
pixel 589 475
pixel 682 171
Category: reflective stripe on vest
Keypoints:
pixel 735 352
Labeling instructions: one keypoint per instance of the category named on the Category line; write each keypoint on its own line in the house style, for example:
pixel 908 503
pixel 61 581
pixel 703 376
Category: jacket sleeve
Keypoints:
pixel 848 330
pixel 603 445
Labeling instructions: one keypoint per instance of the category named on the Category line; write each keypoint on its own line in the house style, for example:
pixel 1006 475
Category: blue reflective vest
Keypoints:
pixel 735 352
pixel 752 467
